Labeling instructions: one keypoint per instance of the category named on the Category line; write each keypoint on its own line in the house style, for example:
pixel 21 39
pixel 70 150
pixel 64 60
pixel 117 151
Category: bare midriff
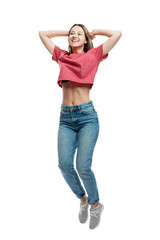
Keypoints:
pixel 75 93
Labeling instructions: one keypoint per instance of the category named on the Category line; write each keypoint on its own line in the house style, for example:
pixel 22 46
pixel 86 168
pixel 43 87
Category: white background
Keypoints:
pixel 35 201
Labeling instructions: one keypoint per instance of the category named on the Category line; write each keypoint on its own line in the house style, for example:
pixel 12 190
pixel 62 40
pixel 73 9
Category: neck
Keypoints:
pixel 77 50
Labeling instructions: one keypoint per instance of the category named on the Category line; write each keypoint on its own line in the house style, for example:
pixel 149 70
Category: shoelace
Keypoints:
pixel 93 213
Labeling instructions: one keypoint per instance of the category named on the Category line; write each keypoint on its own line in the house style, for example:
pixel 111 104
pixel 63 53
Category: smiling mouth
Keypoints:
pixel 75 41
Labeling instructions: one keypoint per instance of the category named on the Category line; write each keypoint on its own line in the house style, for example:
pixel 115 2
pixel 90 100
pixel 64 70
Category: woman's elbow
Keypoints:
pixel 119 33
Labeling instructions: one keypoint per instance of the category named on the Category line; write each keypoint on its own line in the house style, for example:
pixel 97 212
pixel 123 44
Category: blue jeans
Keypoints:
pixel 78 129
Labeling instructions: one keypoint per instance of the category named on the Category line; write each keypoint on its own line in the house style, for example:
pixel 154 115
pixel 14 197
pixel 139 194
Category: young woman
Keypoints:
pixel 79 124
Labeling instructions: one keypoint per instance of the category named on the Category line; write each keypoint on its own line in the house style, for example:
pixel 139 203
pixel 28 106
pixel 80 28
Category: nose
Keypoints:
pixel 74 35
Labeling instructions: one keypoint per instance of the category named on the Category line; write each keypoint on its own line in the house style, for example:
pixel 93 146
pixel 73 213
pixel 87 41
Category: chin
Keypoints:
pixel 76 45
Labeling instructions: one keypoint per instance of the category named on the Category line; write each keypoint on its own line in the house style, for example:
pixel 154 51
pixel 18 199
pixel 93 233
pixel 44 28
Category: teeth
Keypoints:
pixel 74 40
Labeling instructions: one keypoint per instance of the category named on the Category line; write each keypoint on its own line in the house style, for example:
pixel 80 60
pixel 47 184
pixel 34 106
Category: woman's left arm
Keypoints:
pixel 114 37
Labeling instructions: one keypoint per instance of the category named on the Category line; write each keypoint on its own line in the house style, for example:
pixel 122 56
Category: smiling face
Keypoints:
pixel 77 39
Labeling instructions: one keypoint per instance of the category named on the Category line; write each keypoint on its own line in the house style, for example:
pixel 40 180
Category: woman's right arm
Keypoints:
pixel 46 36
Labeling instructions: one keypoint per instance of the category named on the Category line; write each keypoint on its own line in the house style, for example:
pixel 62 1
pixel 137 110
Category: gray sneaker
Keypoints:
pixel 95 215
pixel 83 213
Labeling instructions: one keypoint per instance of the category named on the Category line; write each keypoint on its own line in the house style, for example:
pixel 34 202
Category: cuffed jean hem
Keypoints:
pixel 94 203
pixel 91 203
pixel 82 196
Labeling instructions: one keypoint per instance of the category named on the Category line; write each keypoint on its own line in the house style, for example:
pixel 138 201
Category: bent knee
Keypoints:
pixel 83 171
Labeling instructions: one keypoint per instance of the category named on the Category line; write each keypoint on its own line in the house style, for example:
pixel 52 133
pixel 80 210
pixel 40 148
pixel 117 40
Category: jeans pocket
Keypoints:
pixel 88 110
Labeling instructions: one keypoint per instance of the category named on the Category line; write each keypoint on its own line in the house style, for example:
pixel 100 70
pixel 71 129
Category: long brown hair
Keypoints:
pixel 89 43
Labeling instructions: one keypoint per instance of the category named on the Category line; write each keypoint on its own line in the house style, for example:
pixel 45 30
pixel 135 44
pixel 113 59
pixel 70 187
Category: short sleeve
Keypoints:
pixel 57 52
pixel 98 51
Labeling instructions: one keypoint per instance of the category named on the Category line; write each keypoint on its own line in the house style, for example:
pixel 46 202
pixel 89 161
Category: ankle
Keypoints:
pixel 95 205
pixel 83 199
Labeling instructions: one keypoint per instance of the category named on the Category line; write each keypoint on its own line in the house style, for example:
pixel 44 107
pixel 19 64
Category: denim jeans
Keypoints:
pixel 78 129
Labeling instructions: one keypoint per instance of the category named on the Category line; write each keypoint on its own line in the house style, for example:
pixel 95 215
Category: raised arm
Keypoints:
pixel 114 37
pixel 46 36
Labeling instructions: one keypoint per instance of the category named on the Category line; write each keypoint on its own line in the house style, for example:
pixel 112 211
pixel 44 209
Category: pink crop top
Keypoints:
pixel 78 67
